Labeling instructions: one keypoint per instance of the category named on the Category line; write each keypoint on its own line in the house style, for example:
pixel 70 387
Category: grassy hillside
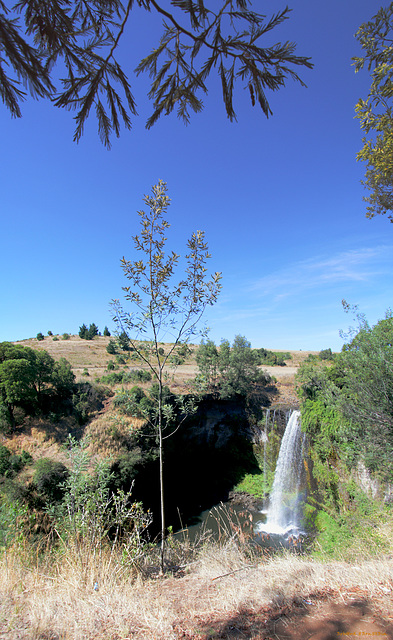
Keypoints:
pixel 93 356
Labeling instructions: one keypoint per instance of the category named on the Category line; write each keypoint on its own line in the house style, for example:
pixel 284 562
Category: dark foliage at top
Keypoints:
pixel 82 37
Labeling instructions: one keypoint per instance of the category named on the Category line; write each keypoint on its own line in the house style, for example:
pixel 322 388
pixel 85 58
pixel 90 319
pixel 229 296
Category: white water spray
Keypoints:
pixel 284 513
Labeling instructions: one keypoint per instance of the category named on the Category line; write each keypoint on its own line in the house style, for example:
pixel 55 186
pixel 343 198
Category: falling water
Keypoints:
pixel 283 515
pixel 265 440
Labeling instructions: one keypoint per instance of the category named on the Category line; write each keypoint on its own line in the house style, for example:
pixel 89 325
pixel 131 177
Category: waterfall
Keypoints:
pixel 284 514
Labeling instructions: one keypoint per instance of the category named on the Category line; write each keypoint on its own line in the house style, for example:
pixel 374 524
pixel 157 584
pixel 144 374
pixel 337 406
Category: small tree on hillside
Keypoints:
pixel 83 332
pixel 165 310
pixel 93 331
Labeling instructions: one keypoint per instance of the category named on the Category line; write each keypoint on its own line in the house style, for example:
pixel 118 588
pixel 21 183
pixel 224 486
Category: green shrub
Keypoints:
pixel 85 372
pixel 5 460
pixel 254 484
pixel 49 476
pixel 106 332
pixel 137 375
pixel 14 521
pixel 92 518
pixel 83 332
pixel 110 366
pixel 5 419
pixel 40 336
pixel 55 339
pixel 124 341
pixel 11 463
pixel 113 378
pixel 93 331
pixel 111 347
pixel 326 354
pixel 127 401
pixel 50 333
pixel 66 336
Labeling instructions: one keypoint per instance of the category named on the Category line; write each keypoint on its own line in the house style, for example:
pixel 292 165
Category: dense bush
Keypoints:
pixel 271 358
pixel 32 381
pixel 92 518
pixel 124 341
pixel 115 377
pixel 127 401
pixel 86 399
pixel 49 477
pixel 326 354
pixel 18 461
pixel 5 464
pixel 135 375
pixel 231 370
pixel 40 336
pixel 111 347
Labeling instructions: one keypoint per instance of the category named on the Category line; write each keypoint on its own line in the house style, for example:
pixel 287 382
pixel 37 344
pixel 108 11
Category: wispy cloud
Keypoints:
pixel 352 266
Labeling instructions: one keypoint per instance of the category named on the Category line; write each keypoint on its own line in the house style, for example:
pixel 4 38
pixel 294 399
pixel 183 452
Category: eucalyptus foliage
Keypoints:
pixel 82 37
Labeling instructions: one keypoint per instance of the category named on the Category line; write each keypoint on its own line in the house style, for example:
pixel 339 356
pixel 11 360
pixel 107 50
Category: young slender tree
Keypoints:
pixel 163 309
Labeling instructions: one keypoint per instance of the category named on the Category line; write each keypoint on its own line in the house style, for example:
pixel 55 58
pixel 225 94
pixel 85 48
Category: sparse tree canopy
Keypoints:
pixel 375 113
pixel 83 37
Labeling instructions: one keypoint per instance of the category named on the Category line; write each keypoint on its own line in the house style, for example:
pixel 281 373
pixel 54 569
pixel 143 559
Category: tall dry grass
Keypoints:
pixel 53 596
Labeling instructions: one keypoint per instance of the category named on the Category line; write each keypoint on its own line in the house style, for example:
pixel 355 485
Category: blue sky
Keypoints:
pixel 279 199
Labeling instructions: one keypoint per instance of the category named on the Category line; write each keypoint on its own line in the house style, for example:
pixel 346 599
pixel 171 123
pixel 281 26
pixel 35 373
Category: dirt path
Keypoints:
pixel 322 615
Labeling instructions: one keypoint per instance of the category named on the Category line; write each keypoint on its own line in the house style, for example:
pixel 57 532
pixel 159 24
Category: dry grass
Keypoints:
pixel 92 355
pixel 53 602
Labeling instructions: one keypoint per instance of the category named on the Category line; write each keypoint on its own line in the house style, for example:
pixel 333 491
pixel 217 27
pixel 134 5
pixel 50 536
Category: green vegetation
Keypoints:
pixel 32 380
pixel 88 333
pixel 375 113
pixel 32 383
pixel 347 411
pixel 11 464
pixel 49 477
pixel 326 354
pixel 256 484
pixel 272 358
pixel 123 377
pixel 231 370
pixel 111 347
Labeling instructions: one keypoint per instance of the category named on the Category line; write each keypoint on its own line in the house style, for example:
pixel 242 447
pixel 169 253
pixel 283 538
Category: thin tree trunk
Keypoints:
pixel 161 476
